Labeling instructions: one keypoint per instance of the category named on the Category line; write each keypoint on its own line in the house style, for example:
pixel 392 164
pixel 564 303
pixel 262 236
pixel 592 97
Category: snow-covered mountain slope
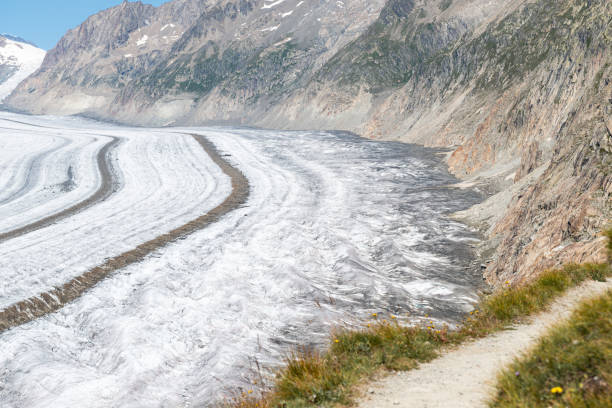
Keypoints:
pixel 18 60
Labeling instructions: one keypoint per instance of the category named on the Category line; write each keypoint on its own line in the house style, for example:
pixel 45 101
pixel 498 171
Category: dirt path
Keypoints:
pixel 465 377
pixel 51 301
pixel 107 187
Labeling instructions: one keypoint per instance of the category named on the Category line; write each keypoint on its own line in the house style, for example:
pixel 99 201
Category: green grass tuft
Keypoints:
pixel 513 303
pixel 523 301
pixel 311 378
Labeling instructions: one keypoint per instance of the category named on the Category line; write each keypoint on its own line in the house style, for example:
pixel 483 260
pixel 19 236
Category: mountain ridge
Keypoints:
pixel 18 39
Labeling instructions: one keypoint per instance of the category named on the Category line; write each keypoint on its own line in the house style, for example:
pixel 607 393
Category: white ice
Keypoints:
pixel 43 171
pixel 167 181
pixel 273 4
pixel 143 40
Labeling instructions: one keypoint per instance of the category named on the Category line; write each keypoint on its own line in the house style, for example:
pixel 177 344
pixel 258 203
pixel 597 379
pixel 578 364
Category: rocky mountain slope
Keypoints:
pixel 161 62
pixel 521 90
pixel 18 59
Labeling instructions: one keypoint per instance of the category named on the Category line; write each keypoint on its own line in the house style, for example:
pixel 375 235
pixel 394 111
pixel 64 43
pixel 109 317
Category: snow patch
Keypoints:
pixel 274 4
pixel 143 40
pixel 270 29
pixel 285 41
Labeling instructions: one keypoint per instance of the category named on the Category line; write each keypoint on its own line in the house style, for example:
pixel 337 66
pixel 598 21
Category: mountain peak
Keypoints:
pixel 17 39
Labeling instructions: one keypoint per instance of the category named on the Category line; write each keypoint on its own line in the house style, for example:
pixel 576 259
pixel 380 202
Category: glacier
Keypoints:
pixel 336 228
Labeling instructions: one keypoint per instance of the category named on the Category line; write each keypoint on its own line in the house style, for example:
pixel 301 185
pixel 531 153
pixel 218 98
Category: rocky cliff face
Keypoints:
pixel 520 89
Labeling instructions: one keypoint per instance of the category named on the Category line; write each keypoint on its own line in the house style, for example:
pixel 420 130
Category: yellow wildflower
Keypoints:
pixel 557 390
pixel 336 341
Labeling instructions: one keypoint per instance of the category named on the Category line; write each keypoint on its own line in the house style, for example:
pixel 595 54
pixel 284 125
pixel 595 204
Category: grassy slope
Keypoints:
pixel 574 361
pixel 570 367
pixel 310 378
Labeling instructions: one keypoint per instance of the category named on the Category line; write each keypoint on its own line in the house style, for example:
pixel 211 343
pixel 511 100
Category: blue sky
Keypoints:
pixel 44 22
